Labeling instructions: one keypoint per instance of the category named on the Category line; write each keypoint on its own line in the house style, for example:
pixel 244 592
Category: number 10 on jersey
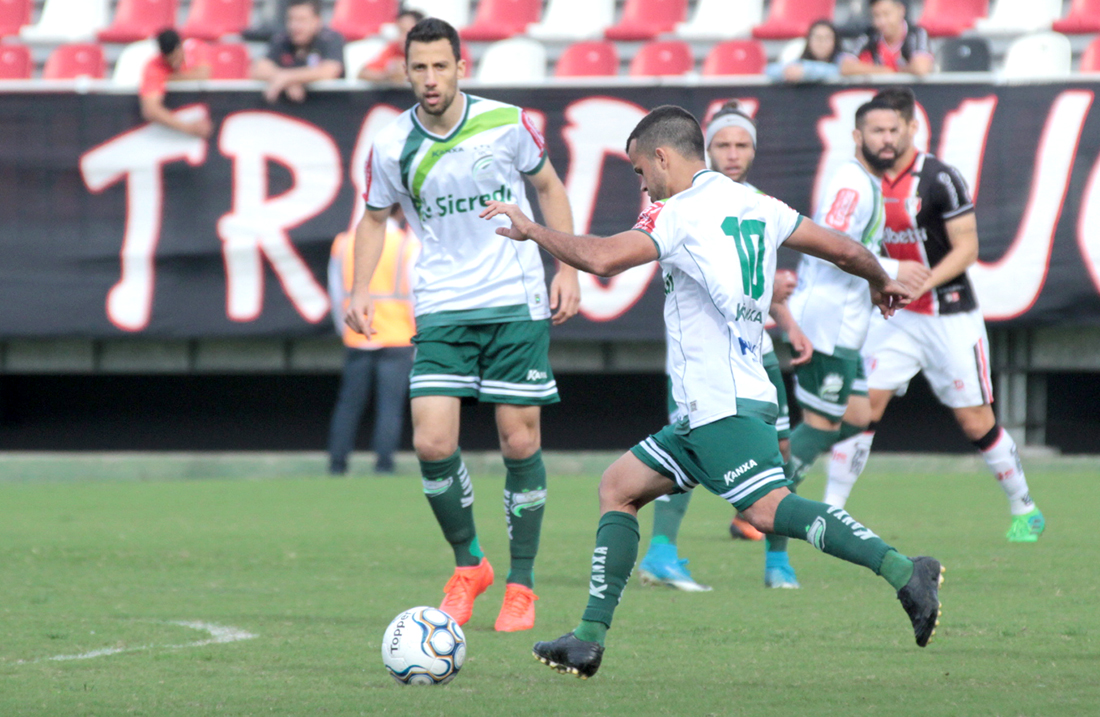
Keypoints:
pixel 748 237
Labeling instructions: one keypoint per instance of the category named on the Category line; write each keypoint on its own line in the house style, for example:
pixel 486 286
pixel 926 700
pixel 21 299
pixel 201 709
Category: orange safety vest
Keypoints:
pixel 394 320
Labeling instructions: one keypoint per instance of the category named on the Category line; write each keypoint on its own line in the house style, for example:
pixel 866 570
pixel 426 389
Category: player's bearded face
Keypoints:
pixel 731 152
pixel 879 139
pixel 433 74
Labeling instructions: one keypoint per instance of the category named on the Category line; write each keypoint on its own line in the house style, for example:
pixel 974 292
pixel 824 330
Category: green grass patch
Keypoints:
pixel 316 568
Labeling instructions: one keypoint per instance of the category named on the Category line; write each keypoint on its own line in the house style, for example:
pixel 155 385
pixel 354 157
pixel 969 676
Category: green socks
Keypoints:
pixel 847 430
pixel 668 513
pixel 591 632
pixel 451 495
pixel 612 561
pixel 778 543
pixel 524 498
pixel 807 443
pixel 831 530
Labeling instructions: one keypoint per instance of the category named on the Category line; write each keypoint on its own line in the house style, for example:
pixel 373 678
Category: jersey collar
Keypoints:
pixel 457 128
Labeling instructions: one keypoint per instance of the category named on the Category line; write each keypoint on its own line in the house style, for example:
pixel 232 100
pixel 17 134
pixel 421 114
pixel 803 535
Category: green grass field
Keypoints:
pixel 111 554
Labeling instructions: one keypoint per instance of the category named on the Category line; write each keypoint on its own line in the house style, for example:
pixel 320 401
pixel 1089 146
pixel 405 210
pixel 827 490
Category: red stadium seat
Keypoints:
pixel 789 19
pixel 646 19
pixel 1083 18
pixel 949 18
pixel 15 62
pixel 211 19
pixel 14 14
pixel 662 59
pixel 736 57
pixel 138 19
pixel 588 59
pixel 71 61
pixel 501 19
pixel 1090 61
pixel 356 19
pixel 228 61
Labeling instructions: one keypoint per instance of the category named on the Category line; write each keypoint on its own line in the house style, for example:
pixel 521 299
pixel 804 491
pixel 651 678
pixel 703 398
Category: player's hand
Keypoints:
pixel 360 314
pixel 891 297
pixel 913 274
pixel 565 297
pixel 801 345
pixel 520 223
pixel 785 282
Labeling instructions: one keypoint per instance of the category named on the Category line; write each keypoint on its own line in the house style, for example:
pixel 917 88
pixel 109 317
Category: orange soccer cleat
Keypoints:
pixel 741 529
pixel 465 585
pixel 518 611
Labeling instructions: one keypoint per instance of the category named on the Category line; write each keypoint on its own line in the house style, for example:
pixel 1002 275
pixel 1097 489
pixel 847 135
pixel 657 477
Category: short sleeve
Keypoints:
pixel 531 152
pixel 848 191
pixel 380 191
pixel 650 223
pixel 858 48
pixel 918 42
pixel 277 49
pixel 154 79
pixel 782 217
pixel 331 46
pixel 950 193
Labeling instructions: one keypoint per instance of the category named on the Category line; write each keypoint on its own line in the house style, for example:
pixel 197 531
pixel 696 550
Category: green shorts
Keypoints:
pixel 736 457
pixel 824 384
pixel 783 422
pixel 493 363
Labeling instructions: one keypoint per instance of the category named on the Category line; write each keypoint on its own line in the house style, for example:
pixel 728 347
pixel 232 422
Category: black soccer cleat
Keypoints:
pixel 570 655
pixel 921 598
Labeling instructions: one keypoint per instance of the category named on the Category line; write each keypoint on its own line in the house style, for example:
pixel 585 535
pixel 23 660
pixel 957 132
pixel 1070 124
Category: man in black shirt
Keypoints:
pixel 306 51
pixel 892 45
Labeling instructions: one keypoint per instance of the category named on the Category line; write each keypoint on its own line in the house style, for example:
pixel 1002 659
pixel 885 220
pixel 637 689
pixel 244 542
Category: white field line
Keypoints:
pixel 219 634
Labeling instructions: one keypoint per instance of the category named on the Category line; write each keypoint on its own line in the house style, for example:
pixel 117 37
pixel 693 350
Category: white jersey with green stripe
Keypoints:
pixel 834 307
pixel 466 273
pixel 766 345
pixel 716 243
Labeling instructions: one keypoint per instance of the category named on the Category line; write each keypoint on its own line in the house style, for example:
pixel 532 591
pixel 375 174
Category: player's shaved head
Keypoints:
pixel 668 126
pixel 901 99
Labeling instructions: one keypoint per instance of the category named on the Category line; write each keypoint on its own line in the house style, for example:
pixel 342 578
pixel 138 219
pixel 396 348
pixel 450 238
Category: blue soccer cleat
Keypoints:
pixel 778 572
pixel 662 566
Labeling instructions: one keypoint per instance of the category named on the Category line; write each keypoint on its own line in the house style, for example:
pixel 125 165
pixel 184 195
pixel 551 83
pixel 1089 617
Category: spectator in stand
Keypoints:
pixel 306 51
pixel 891 45
pixel 380 364
pixel 389 66
pixel 171 64
pixel 820 60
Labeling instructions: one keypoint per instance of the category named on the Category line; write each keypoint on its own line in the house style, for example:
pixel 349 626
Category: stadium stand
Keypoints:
pixel 574 20
pixel 662 59
pixel 456 12
pixel 228 61
pixel 964 54
pixel 735 57
pixel 788 19
pixel 1090 60
pixel 139 19
pixel 588 59
pixel 1015 17
pixel 646 19
pixel 1083 18
pixel 1043 55
pixel 501 19
pixel 14 14
pixel 83 59
pixel 722 19
pixel 359 53
pixel 356 19
pixel 15 62
pixel 68 21
pixel 213 19
pixel 131 63
pixel 949 18
pixel 518 60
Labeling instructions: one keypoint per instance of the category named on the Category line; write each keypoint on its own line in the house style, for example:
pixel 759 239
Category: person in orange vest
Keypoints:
pixel 382 362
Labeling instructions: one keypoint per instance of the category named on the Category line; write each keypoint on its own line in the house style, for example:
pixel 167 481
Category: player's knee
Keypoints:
pixel 433 447
pixel 519 443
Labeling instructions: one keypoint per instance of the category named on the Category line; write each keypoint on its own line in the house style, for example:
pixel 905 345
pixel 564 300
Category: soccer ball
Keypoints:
pixel 423 646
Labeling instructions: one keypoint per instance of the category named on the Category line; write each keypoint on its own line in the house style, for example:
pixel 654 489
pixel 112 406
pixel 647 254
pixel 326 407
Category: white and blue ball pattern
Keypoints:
pixel 423 646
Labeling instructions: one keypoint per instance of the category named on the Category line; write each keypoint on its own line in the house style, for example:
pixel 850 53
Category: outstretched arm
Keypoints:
pixel 852 257
pixel 602 256
pixel 565 289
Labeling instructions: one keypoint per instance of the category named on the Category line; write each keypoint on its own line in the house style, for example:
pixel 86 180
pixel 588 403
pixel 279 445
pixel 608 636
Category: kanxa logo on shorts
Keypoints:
pixel 536 375
pixel 732 476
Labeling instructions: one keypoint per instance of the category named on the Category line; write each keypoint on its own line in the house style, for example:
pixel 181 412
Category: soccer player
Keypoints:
pixel 730 141
pixel 482 307
pixel 833 307
pixel 716 242
pixel 930 219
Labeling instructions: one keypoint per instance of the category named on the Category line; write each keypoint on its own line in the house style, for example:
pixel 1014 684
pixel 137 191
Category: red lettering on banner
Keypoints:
pixel 844 206
pixel 257 226
pixel 138 157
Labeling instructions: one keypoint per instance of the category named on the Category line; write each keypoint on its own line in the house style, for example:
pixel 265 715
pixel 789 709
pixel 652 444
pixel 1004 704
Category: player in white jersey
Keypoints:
pixel 716 242
pixel 929 216
pixel 482 308
pixel 730 141
pixel 833 307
